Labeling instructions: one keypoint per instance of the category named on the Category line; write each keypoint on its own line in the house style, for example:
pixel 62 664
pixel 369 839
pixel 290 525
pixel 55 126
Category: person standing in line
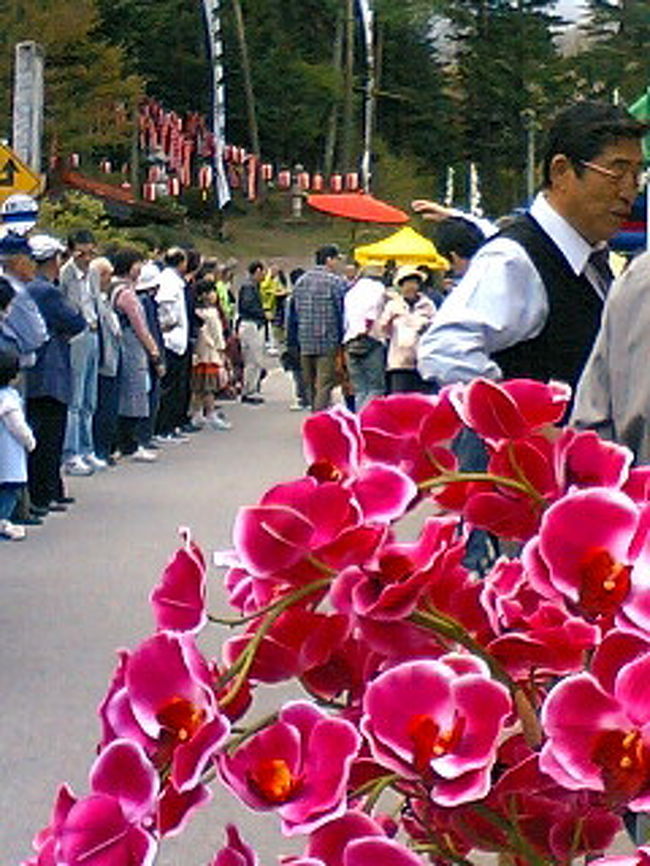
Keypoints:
pixel 407 313
pixel 251 326
pixel 78 449
pixel 49 382
pixel 174 324
pixel 22 324
pixel 209 361
pixel 110 343
pixel 16 439
pixel 531 300
pixel 146 288
pixel 318 305
pixel 139 350
pixel 363 339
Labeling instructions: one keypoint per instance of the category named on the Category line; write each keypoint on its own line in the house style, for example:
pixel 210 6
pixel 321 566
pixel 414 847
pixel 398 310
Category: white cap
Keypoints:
pixel 19 213
pixel 45 247
pixel 149 276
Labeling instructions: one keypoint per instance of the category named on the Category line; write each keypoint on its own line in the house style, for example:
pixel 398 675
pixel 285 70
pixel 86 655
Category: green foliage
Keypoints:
pixel 72 211
pixel 88 100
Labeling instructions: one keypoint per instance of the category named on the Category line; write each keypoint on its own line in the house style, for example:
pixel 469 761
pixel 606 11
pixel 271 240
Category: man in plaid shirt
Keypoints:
pixel 318 307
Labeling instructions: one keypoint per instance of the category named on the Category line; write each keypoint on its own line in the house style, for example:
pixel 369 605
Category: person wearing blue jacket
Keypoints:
pixel 49 381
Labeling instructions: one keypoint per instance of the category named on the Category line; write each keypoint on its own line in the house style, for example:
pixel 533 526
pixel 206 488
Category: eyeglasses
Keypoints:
pixel 618 173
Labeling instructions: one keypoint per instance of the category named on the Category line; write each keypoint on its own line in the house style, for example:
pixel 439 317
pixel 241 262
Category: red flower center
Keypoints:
pixel 273 779
pixel 181 719
pixel 625 762
pixel 430 742
pixel 605 583
pixel 324 470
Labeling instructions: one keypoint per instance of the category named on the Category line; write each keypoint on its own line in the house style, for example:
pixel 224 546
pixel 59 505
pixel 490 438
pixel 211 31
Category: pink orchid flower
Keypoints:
pixel 163 696
pixel 114 825
pixel 300 529
pixel 598 725
pixel 235 852
pixel 299 766
pixel 178 601
pixel 583 459
pixel 329 842
pixel 512 409
pixel 438 721
pixel 592 551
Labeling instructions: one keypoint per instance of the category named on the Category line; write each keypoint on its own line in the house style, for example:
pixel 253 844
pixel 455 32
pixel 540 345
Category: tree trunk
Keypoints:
pixel 348 96
pixel 332 127
pixel 248 81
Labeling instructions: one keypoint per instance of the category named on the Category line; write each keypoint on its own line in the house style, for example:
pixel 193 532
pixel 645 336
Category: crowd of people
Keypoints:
pixel 103 358
pixel 115 355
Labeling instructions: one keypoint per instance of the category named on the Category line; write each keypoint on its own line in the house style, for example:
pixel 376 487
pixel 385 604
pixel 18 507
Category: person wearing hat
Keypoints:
pixel 363 340
pixel 407 313
pixel 23 323
pixel 49 381
pixel 146 288
pixel 18 214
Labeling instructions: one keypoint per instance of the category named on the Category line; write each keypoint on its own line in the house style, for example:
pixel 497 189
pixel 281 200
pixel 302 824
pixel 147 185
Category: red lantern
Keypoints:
pixel 149 191
pixel 173 186
pixel 205 177
pixel 336 182
pixel 352 181
pixel 267 172
pixel 303 180
pixel 317 182
pixel 74 160
pixel 284 179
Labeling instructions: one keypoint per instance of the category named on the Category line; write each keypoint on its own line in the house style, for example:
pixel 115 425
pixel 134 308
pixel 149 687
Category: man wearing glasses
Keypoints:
pixel 530 303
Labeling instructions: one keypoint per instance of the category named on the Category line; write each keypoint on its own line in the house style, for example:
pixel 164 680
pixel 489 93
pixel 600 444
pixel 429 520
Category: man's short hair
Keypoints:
pixel 458 235
pixel 583 130
pixel 255 266
pixel 123 260
pixel 9 366
pixel 174 257
pixel 80 236
pixel 329 251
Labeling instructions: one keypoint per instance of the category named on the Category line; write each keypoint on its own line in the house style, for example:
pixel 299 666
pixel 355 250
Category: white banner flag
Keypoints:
pixel 211 9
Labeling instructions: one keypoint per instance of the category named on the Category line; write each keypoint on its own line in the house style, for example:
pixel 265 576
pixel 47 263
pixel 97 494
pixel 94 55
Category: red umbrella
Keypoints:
pixel 358 206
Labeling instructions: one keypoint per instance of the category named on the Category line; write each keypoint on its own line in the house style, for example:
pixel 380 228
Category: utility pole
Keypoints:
pixel 529 118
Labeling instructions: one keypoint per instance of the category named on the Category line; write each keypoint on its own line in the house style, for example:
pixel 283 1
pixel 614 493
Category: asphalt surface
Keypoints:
pixel 77 589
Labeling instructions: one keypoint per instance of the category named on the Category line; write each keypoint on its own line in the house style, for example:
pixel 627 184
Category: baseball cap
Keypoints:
pixel 13 244
pixel 19 213
pixel 45 247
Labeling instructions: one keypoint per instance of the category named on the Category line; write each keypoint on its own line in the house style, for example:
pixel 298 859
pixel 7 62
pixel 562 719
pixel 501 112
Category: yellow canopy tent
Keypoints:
pixel 406 247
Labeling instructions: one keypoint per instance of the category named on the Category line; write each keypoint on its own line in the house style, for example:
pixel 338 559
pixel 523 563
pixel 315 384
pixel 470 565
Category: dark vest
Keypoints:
pixel 562 347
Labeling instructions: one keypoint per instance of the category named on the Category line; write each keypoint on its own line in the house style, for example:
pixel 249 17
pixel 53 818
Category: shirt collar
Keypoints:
pixel 575 248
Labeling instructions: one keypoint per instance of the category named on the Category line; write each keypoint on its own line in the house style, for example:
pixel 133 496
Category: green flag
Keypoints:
pixel 641 110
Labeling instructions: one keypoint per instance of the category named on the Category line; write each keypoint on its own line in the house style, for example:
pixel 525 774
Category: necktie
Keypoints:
pixel 599 261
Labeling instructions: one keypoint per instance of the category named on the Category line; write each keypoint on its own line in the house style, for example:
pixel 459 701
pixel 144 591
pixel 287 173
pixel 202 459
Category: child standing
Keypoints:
pixel 16 439
pixel 209 362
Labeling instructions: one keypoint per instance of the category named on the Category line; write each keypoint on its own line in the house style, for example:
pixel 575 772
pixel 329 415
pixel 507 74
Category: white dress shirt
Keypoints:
pixel 499 302
pixel 172 311
pixel 362 306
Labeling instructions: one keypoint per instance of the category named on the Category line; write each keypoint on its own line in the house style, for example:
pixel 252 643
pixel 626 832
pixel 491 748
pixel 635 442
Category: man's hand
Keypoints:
pixel 431 210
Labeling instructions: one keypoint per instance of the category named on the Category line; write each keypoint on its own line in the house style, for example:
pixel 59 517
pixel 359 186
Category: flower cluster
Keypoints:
pixel 508 713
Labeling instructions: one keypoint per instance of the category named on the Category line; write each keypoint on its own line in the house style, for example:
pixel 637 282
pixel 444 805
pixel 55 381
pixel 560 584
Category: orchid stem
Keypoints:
pixel 241 667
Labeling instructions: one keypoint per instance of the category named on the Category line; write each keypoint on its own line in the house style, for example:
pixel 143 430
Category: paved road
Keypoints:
pixel 77 589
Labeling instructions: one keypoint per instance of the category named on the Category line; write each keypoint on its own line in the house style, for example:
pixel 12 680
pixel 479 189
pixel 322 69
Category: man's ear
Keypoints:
pixel 561 171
